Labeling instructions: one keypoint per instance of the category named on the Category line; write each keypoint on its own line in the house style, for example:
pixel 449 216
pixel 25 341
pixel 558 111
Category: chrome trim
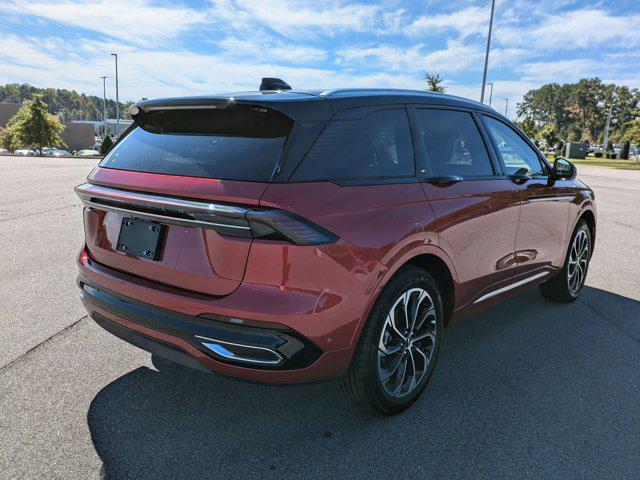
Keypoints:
pixel 128 202
pixel 511 287
pixel 553 198
pixel 223 352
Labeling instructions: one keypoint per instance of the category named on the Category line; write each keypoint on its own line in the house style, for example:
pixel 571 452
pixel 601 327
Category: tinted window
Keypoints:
pixel 452 144
pixel 517 155
pixel 376 146
pixel 237 143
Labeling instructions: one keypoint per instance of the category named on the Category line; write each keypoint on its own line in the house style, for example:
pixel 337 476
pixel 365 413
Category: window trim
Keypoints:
pixel 420 153
pixel 541 158
pixel 352 181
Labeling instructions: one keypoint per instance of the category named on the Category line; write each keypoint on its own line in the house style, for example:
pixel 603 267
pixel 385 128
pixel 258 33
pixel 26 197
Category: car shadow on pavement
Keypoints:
pixel 528 388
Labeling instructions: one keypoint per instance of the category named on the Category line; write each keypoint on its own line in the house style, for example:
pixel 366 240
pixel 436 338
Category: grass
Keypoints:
pixel 604 162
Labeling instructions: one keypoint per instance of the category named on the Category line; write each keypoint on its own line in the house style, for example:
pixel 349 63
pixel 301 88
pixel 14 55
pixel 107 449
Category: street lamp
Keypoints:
pixel 104 106
pixel 117 99
pixel 506 107
pixel 486 57
pixel 606 129
pixel 490 92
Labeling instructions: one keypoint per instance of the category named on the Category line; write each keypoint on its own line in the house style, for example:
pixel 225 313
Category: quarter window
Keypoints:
pixel 376 146
pixel 452 144
pixel 517 155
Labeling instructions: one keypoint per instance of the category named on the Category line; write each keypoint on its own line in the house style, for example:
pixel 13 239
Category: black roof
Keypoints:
pixel 317 104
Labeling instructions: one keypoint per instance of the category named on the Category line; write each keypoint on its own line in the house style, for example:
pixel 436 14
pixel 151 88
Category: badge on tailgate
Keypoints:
pixel 140 238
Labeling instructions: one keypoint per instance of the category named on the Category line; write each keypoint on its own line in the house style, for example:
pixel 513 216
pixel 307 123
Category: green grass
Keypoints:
pixel 604 162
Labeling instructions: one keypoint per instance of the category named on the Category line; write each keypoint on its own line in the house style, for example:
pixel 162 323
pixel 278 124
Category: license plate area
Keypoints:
pixel 140 238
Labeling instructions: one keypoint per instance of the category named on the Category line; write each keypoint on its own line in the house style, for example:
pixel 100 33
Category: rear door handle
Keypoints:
pixel 443 180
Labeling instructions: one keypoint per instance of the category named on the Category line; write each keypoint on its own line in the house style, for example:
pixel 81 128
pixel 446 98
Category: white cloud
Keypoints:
pixel 235 47
pixel 465 22
pixel 135 20
pixel 301 18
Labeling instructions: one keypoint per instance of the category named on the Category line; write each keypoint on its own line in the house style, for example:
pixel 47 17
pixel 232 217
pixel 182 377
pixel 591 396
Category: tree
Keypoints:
pixel 434 82
pixel 549 134
pixel 624 151
pixel 33 127
pixel 528 126
pixel 632 129
pixel 106 145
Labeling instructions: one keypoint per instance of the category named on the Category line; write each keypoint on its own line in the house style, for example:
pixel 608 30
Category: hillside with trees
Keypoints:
pixel 66 104
pixel 578 111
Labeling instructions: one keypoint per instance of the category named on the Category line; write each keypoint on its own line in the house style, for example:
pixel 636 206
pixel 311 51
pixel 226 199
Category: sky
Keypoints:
pixel 200 47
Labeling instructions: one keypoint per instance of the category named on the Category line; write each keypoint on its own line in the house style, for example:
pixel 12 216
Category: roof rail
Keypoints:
pixel 328 93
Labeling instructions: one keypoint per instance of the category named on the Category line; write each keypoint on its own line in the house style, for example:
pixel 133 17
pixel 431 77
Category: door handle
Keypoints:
pixel 443 180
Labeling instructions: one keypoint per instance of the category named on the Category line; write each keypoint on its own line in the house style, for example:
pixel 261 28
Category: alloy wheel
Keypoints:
pixel 578 261
pixel 407 342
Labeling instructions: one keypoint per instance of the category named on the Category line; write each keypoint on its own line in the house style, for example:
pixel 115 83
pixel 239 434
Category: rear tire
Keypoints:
pixel 568 284
pixel 396 353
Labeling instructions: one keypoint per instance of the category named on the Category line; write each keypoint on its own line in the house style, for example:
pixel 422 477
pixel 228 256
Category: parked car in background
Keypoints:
pixel 3 150
pixel 25 152
pixel 286 237
pixel 86 153
pixel 56 152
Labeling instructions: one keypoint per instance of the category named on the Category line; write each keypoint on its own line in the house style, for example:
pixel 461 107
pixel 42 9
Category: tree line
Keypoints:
pixel 577 112
pixel 68 105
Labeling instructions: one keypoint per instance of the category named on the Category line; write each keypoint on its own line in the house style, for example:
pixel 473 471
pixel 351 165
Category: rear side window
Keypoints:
pixel 240 142
pixel 452 144
pixel 376 146
pixel 517 155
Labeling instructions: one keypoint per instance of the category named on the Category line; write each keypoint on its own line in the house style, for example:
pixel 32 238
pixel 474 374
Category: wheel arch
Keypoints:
pixel 430 258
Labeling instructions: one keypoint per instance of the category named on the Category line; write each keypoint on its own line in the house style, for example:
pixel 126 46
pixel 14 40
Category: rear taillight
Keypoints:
pixel 231 220
pixel 282 225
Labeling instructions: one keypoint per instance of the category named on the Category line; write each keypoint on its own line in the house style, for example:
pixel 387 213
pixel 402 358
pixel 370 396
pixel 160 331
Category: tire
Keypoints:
pixel 562 288
pixel 371 382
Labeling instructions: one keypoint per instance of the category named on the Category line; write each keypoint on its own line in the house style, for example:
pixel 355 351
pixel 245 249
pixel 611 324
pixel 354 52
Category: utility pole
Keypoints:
pixel 490 92
pixel 606 129
pixel 486 57
pixel 104 106
pixel 117 100
pixel 506 107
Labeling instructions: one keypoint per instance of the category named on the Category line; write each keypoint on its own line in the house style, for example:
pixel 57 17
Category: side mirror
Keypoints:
pixel 563 169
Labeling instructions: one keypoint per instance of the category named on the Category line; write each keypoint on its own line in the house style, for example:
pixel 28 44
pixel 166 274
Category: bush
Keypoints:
pixel 612 155
pixel 597 154
pixel 624 152
pixel 106 145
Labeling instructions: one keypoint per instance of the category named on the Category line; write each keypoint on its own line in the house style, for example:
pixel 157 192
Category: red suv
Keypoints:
pixel 284 237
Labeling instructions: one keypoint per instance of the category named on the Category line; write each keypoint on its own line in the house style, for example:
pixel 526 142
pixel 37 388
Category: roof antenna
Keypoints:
pixel 269 83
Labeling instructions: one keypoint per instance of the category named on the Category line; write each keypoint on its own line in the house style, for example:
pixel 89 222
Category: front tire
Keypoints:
pixel 568 284
pixel 399 344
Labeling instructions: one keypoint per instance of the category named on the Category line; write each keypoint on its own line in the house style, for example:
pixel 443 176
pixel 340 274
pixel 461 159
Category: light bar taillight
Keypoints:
pixel 230 220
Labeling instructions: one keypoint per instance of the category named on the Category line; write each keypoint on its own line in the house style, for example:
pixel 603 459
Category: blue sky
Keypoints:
pixel 208 46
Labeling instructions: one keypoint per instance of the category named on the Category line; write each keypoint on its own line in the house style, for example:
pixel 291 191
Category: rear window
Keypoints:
pixel 240 142
pixel 376 146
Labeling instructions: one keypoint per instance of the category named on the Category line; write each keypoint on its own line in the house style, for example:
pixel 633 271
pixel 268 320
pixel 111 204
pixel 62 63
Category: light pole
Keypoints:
pixel 117 99
pixel 506 107
pixel 606 129
pixel 486 57
pixel 104 106
pixel 490 92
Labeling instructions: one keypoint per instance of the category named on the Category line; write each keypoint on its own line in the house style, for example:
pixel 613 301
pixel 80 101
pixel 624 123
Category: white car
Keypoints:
pixel 4 150
pixel 87 153
pixel 25 152
pixel 56 152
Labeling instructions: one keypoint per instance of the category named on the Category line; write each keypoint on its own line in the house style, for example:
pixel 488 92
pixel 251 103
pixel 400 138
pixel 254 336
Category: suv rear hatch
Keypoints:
pixel 172 201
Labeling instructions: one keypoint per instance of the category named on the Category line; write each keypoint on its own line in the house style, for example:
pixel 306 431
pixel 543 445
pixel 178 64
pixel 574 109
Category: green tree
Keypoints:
pixel 624 151
pixel 33 126
pixel 632 129
pixel 549 134
pixel 106 145
pixel 434 82
pixel 528 126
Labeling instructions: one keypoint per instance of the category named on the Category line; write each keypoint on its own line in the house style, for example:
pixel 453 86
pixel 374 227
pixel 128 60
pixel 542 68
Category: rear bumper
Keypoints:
pixel 248 352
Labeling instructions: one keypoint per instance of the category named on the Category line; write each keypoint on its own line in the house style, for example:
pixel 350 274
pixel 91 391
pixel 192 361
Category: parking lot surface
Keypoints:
pixel 527 389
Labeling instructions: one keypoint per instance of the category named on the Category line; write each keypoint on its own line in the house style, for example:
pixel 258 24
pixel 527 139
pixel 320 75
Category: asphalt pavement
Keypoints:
pixel 527 389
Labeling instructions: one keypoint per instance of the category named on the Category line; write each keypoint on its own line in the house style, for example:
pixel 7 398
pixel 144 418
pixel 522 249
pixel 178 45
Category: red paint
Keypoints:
pixel 485 231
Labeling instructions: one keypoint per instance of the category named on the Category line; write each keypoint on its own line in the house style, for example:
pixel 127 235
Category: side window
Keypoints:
pixel 376 146
pixel 517 155
pixel 452 144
